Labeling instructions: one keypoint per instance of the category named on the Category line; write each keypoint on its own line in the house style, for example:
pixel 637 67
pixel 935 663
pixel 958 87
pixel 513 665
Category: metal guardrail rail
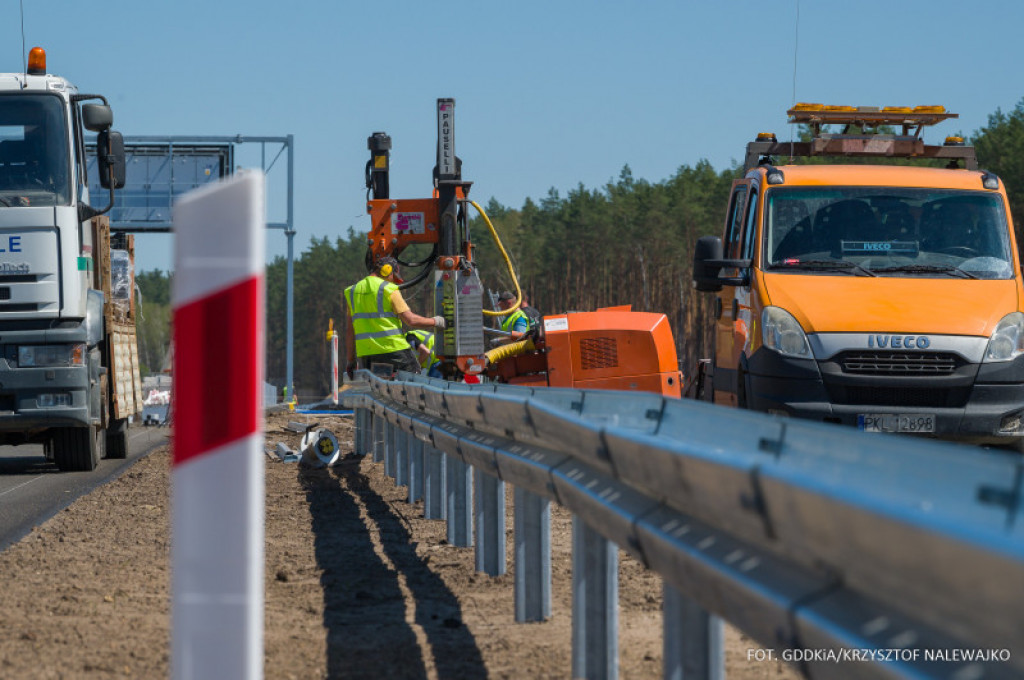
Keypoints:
pixel 865 556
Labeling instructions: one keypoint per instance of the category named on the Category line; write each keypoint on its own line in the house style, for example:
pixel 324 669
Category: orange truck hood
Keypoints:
pixel 848 304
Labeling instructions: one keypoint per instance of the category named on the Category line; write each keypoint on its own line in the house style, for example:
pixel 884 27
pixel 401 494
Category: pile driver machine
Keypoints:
pixel 612 348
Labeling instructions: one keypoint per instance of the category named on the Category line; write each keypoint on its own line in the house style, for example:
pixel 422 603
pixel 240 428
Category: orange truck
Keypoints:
pixel 883 296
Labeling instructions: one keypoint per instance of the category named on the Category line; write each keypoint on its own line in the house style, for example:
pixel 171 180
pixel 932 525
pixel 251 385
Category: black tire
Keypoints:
pixel 117 439
pixel 77 449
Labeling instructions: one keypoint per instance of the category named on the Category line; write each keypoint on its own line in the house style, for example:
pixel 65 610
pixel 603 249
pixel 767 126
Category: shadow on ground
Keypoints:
pixel 365 613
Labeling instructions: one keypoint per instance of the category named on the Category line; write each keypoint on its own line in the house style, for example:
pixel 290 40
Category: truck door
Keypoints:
pixel 726 305
pixel 744 314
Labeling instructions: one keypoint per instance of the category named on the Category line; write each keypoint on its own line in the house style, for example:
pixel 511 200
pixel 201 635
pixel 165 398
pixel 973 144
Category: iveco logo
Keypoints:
pixel 899 341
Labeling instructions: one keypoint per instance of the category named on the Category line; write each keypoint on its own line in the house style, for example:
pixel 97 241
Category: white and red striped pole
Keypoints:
pixel 217 479
pixel 332 335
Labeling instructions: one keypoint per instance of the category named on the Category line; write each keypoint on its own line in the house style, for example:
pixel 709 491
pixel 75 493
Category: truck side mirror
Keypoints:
pixel 705 274
pixel 97 117
pixel 110 158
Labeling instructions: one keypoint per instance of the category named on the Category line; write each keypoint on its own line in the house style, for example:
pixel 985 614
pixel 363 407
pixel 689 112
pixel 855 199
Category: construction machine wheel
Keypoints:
pixel 78 449
pixel 117 438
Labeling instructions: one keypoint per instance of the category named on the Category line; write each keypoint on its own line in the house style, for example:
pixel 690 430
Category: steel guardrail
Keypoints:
pixel 805 536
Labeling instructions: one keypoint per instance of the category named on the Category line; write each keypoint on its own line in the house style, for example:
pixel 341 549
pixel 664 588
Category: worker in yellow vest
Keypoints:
pixel 422 343
pixel 376 312
pixel 515 324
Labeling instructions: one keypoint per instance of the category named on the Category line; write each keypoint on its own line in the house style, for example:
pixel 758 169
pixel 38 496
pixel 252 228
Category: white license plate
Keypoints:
pixel 896 422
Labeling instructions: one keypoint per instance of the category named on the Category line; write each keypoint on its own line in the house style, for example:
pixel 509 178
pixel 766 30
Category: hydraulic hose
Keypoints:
pixel 508 263
pixel 513 349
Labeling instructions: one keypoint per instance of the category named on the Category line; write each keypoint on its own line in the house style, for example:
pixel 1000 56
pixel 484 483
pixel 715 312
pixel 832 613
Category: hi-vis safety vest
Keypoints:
pixel 376 327
pixel 427 339
pixel 510 320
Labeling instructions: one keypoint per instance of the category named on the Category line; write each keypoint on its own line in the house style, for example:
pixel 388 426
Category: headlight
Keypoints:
pixel 1007 340
pixel 51 355
pixel 782 333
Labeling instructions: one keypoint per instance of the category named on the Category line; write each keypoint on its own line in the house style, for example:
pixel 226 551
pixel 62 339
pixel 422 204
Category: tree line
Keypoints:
pixel 629 242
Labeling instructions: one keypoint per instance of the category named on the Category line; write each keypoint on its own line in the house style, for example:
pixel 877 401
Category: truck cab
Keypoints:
pixel 885 297
pixel 54 351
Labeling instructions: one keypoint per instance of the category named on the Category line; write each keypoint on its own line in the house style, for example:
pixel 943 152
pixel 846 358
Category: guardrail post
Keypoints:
pixel 379 444
pixel 389 450
pixel 361 420
pixel 433 484
pixel 693 639
pixel 401 457
pixel 489 507
pixel 415 469
pixel 533 556
pixel 595 597
pixel 459 492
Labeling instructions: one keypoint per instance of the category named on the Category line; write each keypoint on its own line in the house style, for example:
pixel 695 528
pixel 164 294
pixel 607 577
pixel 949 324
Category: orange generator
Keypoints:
pixel 612 348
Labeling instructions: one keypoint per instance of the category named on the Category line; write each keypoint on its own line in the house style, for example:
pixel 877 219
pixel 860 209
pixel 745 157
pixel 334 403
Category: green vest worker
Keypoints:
pixel 376 312
pixel 423 344
pixel 517 323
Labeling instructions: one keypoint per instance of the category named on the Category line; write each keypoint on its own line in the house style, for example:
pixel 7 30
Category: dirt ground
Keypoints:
pixel 358 585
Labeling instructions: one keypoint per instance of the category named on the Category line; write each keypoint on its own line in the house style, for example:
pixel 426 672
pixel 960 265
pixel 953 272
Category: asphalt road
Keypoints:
pixel 33 490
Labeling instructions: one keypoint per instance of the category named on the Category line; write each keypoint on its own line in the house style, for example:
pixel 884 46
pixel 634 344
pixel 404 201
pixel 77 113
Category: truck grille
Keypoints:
pixel 898 363
pixel 873 396
pixel 598 353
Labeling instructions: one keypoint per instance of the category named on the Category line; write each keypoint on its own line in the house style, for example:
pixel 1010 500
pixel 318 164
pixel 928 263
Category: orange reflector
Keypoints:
pixel 840 108
pixel 897 109
pixel 803 106
pixel 37 61
pixel 929 109
pixel 766 136
pixel 954 141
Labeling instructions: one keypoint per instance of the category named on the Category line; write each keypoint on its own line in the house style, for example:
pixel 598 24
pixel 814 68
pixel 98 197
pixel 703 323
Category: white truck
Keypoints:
pixel 69 376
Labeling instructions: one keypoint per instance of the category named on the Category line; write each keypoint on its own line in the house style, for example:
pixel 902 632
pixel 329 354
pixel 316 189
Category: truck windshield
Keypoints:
pixel 34 154
pixel 887 231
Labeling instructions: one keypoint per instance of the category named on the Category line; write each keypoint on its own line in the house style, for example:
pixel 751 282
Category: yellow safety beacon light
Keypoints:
pixel 37 62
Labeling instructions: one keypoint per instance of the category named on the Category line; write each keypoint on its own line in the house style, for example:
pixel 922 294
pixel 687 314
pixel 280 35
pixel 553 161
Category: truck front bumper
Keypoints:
pixel 24 392
pixel 980 404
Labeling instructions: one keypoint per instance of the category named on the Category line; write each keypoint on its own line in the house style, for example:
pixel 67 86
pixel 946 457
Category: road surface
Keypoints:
pixel 33 490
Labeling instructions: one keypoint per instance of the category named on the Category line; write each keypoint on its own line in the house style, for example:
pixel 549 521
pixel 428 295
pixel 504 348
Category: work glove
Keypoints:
pixel 350 370
pixel 438 322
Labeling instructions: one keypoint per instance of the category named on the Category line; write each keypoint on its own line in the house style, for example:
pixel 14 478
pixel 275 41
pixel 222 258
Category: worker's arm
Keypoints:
pixel 410 318
pixel 414 320
pixel 517 332
pixel 350 342
pixel 350 339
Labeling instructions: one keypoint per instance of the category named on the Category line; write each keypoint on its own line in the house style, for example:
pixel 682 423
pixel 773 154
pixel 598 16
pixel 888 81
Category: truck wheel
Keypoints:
pixel 117 438
pixel 77 449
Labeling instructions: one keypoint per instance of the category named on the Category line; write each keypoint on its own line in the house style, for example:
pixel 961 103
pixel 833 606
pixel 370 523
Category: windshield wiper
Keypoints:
pixel 825 265
pixel 930 268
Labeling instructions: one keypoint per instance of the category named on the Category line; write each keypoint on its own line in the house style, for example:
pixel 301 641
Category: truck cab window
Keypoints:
pixel 34 165
pixel 735 221
pixel 750 229
pixel 891 231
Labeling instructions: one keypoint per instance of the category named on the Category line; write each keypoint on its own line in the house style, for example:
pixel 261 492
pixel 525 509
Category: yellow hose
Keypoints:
pixel 510 350
pixel 508 262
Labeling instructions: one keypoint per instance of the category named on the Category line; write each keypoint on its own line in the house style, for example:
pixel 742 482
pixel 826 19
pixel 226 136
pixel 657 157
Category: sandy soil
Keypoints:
pixel 358 585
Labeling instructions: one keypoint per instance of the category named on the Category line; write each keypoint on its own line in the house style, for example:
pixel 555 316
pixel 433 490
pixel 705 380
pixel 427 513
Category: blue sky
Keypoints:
pixel 548 94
